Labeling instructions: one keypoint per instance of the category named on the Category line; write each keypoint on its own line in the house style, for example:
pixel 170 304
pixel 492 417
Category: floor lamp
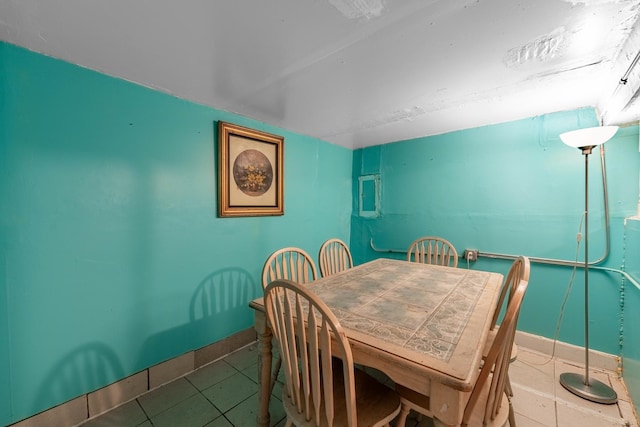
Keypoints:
pixel 582 385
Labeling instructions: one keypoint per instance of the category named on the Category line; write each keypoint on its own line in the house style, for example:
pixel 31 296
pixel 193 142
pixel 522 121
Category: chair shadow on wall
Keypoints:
pixel 83 370
pixel 218 302
pixel 225 291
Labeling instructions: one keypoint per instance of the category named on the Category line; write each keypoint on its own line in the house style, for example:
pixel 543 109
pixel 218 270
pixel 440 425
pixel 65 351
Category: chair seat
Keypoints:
pixel 490 338
pixel 376 404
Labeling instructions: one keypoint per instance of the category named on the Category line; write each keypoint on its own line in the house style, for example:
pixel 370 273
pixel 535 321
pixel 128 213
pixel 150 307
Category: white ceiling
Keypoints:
pixel 354 72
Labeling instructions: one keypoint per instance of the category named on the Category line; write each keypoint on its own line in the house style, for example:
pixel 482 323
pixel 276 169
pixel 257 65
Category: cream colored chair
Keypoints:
pixel 322 388
pixel 433 250
pixel 287 263
pixel 520 270
pixel 334 257
pixel 489 405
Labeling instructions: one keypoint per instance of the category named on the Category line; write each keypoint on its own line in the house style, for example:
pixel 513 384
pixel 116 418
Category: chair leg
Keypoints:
pixel 402 418
pixel 275 372
pixel 512 415
pixel 509 392
pixel 508 388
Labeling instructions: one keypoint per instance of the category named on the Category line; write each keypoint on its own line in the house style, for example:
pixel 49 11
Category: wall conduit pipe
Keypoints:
pixel 552 261
pixel 568 263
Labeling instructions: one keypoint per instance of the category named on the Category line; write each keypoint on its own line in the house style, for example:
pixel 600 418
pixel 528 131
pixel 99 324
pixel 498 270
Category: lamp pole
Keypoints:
pixel 586 151
pixel 577 384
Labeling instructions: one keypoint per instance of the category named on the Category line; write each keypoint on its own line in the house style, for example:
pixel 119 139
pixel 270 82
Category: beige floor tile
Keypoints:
pixel 195 411
pixel 211 374
pixel 626 411
pixel 570 415
pixel 534 405
pixel 532 371
pixel 166 396
pixel 251 372
pixel 231 391
pixel 128 415
pixel 243 358
pixel 245 414
pixel 220 422
pixel 522 421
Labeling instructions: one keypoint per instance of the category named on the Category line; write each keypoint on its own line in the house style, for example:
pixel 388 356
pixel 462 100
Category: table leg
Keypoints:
pixel 264 369
pixel 447 404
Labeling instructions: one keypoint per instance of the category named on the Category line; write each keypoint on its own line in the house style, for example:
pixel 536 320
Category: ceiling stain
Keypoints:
pixel 542 49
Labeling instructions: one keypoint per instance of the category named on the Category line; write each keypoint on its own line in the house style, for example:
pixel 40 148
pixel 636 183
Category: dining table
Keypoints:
pixel 422 325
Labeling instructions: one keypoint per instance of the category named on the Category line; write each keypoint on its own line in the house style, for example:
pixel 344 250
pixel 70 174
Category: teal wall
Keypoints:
pixel 511 188
pixel 110 247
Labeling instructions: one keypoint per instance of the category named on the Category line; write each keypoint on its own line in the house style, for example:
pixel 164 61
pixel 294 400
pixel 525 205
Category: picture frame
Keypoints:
pixel 250 172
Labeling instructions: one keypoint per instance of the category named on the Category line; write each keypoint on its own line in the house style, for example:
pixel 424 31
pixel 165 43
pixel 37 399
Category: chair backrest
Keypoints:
pixel 489 390
pixel 520 270
pixel 291 264
pixel 308 334
pixel 433 250
pixel 334 257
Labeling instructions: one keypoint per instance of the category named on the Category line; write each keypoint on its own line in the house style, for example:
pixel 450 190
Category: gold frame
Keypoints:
pixel 250 172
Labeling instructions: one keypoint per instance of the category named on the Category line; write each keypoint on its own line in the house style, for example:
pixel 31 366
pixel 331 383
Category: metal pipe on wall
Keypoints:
pixel 568 263
pixel 551 261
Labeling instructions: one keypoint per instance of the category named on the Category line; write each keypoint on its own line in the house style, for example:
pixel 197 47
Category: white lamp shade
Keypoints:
pixel 588 137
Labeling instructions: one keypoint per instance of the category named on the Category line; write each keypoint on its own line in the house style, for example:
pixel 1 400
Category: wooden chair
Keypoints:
pixel 322 388
pixel 433 250
pixel 334 257
pixel 292 264
pixel 520 270
pixel 488 405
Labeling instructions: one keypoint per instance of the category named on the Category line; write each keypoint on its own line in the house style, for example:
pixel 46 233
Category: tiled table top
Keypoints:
pixel 428 314
pixel 424 308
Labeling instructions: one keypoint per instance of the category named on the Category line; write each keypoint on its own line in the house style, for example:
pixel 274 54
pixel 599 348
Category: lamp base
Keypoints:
pixel 595 391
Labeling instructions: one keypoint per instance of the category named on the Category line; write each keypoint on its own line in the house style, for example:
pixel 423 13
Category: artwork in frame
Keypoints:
pixel 250 172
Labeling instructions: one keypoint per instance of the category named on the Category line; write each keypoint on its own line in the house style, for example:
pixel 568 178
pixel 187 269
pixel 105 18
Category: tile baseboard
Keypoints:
pixel 80 409
pixel 569 352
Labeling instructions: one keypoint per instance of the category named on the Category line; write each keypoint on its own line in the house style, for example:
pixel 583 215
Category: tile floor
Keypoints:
pixel 224 393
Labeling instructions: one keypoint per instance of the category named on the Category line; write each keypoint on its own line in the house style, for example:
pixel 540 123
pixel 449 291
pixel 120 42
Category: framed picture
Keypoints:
pixel 250 165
